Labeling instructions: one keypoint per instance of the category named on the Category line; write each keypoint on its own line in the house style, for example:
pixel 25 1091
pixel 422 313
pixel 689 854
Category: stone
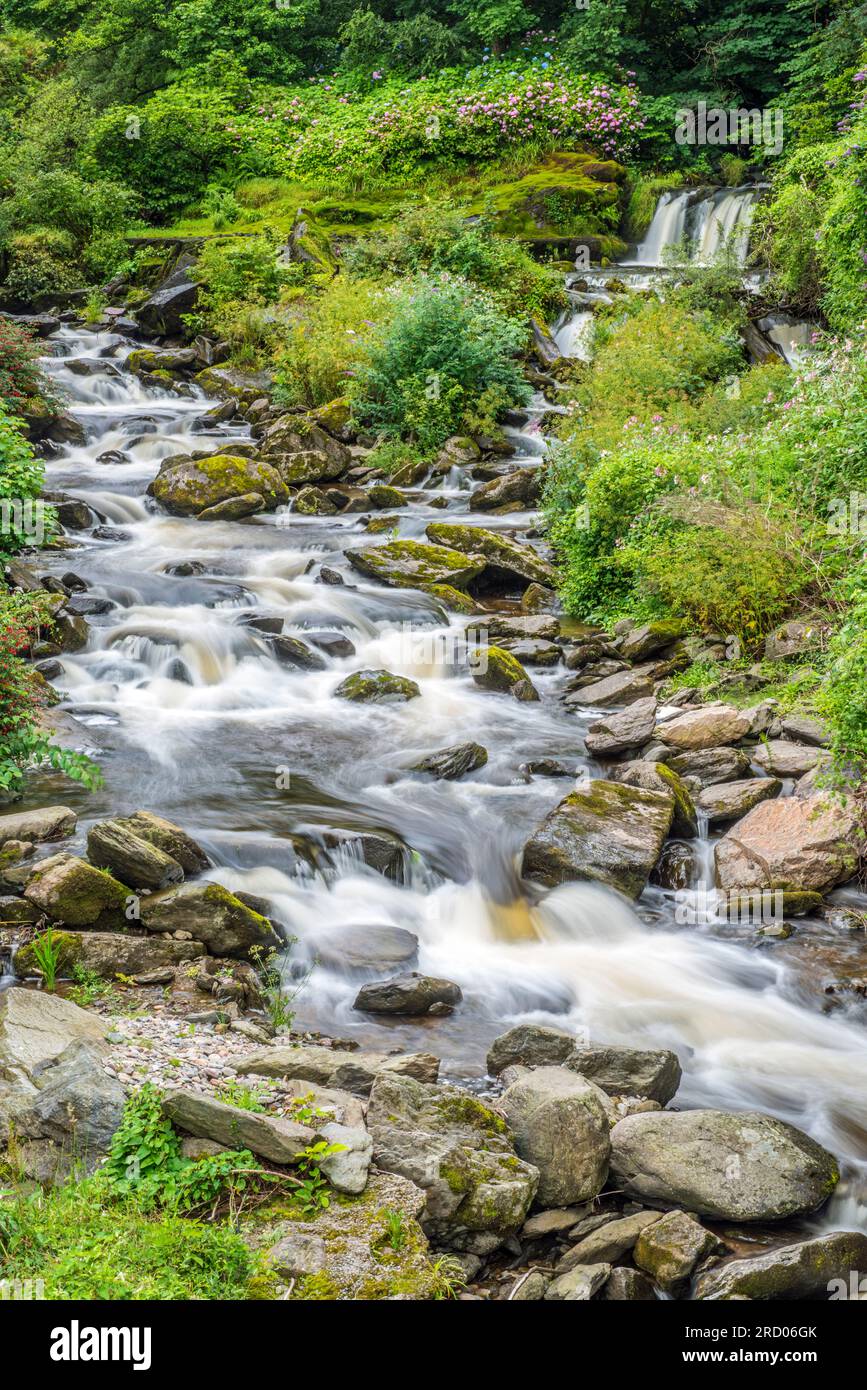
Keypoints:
pixel 628 1071
pixel 609 1242
pixel 70 890
pixel 344 1071
pixel 550 1223
pixel 780 758
pixel 702 728
pixel 48 823
pixel 805 730
pixel 273 1138
pixel 628 1286
pixel 657 777
pixel 706 767
pixel 36 1028
pixel 495 669
pixel 377 687
pixel 163 312
pixel 610 833
pixel 505 559
pixel 560 1126
pixel 377 946
pixel 520 487
pixel 169 838
pixel 291 651
pixel 670 1249
pixel 459 1152
pixel 456 761
pixel 641 642
pixel 687 1158
pixel 109 954
pixel 77 1104
pixel 293 439
pixel 407 994
pixel 384 498
pixel 499 627
pixel 193 485
pixel 113 846
pixel 347 1170
pixel 530 1045
pixel 726 801
pixel 530 1288
pixel 414 565
pixel 297 1254
pixel 210 913
pixel 792 638
pixel 312 501
pixel 820 1268
pixel 234 508
pixel 619 732
pixel 579 1285
pixel 806 842
pixel 533 653
pixel 622 688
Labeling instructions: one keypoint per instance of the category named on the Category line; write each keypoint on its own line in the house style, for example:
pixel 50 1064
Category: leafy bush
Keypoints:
pixel 21 382
pixel 324 341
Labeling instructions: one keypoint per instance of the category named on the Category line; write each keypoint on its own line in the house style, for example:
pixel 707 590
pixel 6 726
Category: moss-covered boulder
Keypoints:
pixel 377 688
pixel 460 1153
pixel 193 485
pixel 235 508
pixel 312 501
pixel 657 777
pixel 825 1267
pixel 70 890
pixel 669 1249
pixel 563 195
pixel 641 642
pixel 114 846
pixel 457 452
pixel 309 466
pixel 335 417
pixel 449 596
pixel 608 833
pixel 213 915
pixel 414 565
pixel 506 560
pixel 109 954
pixel 168 837
pixel 383 497
pixel 235 384
pixel 298 434
pixel 493 668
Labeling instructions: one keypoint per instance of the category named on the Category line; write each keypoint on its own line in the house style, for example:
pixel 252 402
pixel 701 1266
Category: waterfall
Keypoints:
pixel 704 219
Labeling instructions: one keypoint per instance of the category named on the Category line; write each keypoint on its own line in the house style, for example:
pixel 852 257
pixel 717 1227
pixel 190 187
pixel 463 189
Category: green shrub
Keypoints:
pixel 325 339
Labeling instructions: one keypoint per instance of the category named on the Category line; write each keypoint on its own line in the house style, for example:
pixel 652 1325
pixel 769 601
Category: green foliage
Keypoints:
pixel 843 698
pixel 240 278
pixel 47 955
pixel 324 340
pixel 21 384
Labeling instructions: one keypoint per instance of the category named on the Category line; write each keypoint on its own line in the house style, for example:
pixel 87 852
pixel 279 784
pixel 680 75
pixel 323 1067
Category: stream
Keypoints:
pixel 191 716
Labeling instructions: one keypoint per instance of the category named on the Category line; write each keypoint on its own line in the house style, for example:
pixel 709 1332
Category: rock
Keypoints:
pixel 530 1045
pixel 275 1139
pixel 744 1167
pixel 505 560
pixel 200 1148
pixel 560 1126
pixel 729 800
pixel 792 639
pixel 48 823
pixel 109 954
pixel 551 1222
pixel 312 501
pixel 622 688
pixel 364 947
pixel 670 1249
pixel 579 1285
pixel 414 565
pixel 348 1170
pixel 657 777
pixel 454 762
pixel 234 383
pixel 641 642
pixel 805 730
pixel 609 1243
pixel 518 488
pixel 194 485
pixel 459 1152
pixel 169 838
pixel 291 651
pixel 811 1269
pixel 163 312
pixel 300 1253
pixel 792 843
pixel 407 994
pixel 702 728
pixel 71 891
pixel 334 644
pixel 377 687
pixel 532 653
pixel 628 1071
pixel 343 1071
pixel 500 629
pixel 628 1286
pixel 36 1028
pixel 385 498
pixel 619 732
pixel 457 451
pixel 311 466
pixel 113 846
pixel 530 1288
pixel 16 912
pixel 782 759
pixel 234 508
pixel 710 766
pixel 78 1104
pixel 495 669
pixel 210 913
pixel 610 834
pixel 292 438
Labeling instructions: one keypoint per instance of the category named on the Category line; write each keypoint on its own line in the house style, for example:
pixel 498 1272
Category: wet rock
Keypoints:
pixel 610 833
pixel 311 466
pixel 385 498
pixel 609 1243
pixel 744 1167
pixel 495 669
pixel 17 912
pixel 213 915
pixel 163 312
pixel 169 838
pixel 191 487
pixel 234 508
pixel 48 823
pixel 729 800
pixel 619 732
pixel 657 777
pixel 334 644
pixel 782 759
pixel 537 598
pixel 560 1125
pixel 36 1028
pixel 707 727
pixel 291 651
pixel 377 687
pixel 821 1268
pixel 342 1071
pixel 710 766
pixel 414 565
pixel 454 762
pixel 459 1153
pixel 621 688
pixel 113 846
pixel 374 947
pixel 530 1045
pixel 407 994
pixel 641 642
pixel 670 1248
pixel 70 632
pixel 330 576
pixel 532 653
pixel 676 868
pixel 628 1286
pixel 792 843
pixel 534 627
pixel 505 560
pixel 520 488
pixel 380 852
pixel 458 451
pixel 292 436
pixel 312 501
pixel 273 1138
pixel 628 1071
pixel 579 1285
pixel 70 890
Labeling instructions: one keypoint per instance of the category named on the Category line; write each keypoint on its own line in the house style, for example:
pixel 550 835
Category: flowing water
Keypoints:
pixel 195 719
pixel 704 221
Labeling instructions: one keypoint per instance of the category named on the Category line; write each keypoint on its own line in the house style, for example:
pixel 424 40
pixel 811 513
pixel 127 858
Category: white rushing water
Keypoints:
pixel 701 221
pixel 202 724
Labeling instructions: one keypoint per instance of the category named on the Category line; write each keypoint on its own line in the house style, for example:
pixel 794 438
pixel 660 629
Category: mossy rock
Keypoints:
pixel 565 194
pixel 377 687
pixel 496 669
pixel 235 384
pixel 69 890
pixel 67 946
pixel 451 597
pixel 414 565
pixel 506 559
pixel 312 501
pixel 193 486
pixel 382 496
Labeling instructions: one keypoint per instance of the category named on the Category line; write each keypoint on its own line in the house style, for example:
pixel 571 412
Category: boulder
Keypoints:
pixel 343 1071
pixel 454 762
pixel 48 823
pixel 610 1242
pixel 213 915
pixel 505 559
pixel 234 383
pixel 530 1045
pixel 657 777
pixel 300 1254
pixel 377 688
pixel 621 688
pixel 628 1071
pixel 291 436
pixel 579 1285
pixel 628 1286
pixel 363 946
pixel 163 313
pixel 805 730
pixel 744 1167
pixel 459 1152
pixel 414 565
pixel 495 669
pixel 193 485
pixel 113 846
pixel 235 508
pixel 77 1104
pixel 706 767
pixel 780 758
pixel 707 727
pixel 670 1248
pixel 311 466
pixel 619 732
pixel 821 1268
pixel 792 639
pixel 610 834
pixel 729 800
pixel 36 1028
pixel 348 1169
pixel 272 1137
pixel 291 651
pixel 109 954
pixel 806 842
pixel 169 838
pixel 641 642
pixel 312 501
pixel 520 488
pixel 407 994
pixel 70 890
pixel 500 628
pixel 560 1125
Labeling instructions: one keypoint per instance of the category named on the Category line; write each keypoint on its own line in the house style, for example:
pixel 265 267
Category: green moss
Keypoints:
pixel 460 1108
pixel 564 195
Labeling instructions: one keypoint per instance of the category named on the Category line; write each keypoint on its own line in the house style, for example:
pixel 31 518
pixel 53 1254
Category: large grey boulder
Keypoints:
pixel 113 846
pixel 728 800
pixel 478 1191
pixel 705 767
pixel 77 1103
pixel 641 642
pixel 617 733
pixel 707 727
pixel 272 1137
pixel 35 1028
pixel 744 1167
pixel 628 1071
pixel 809 842
pixel 671 1248
pixel 822 1268
pixel 48 823
pixel 657 777
pixel 195 485
pixel 622 688
pixel 560 1125
pixel 610 833
pixel 163 312
pixel 344 1071
pixel 781 758
pixel 169 838
pixel 213 915
pixel 530 1045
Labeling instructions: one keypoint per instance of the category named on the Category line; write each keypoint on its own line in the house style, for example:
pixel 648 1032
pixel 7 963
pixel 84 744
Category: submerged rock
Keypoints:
pixel 363 947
